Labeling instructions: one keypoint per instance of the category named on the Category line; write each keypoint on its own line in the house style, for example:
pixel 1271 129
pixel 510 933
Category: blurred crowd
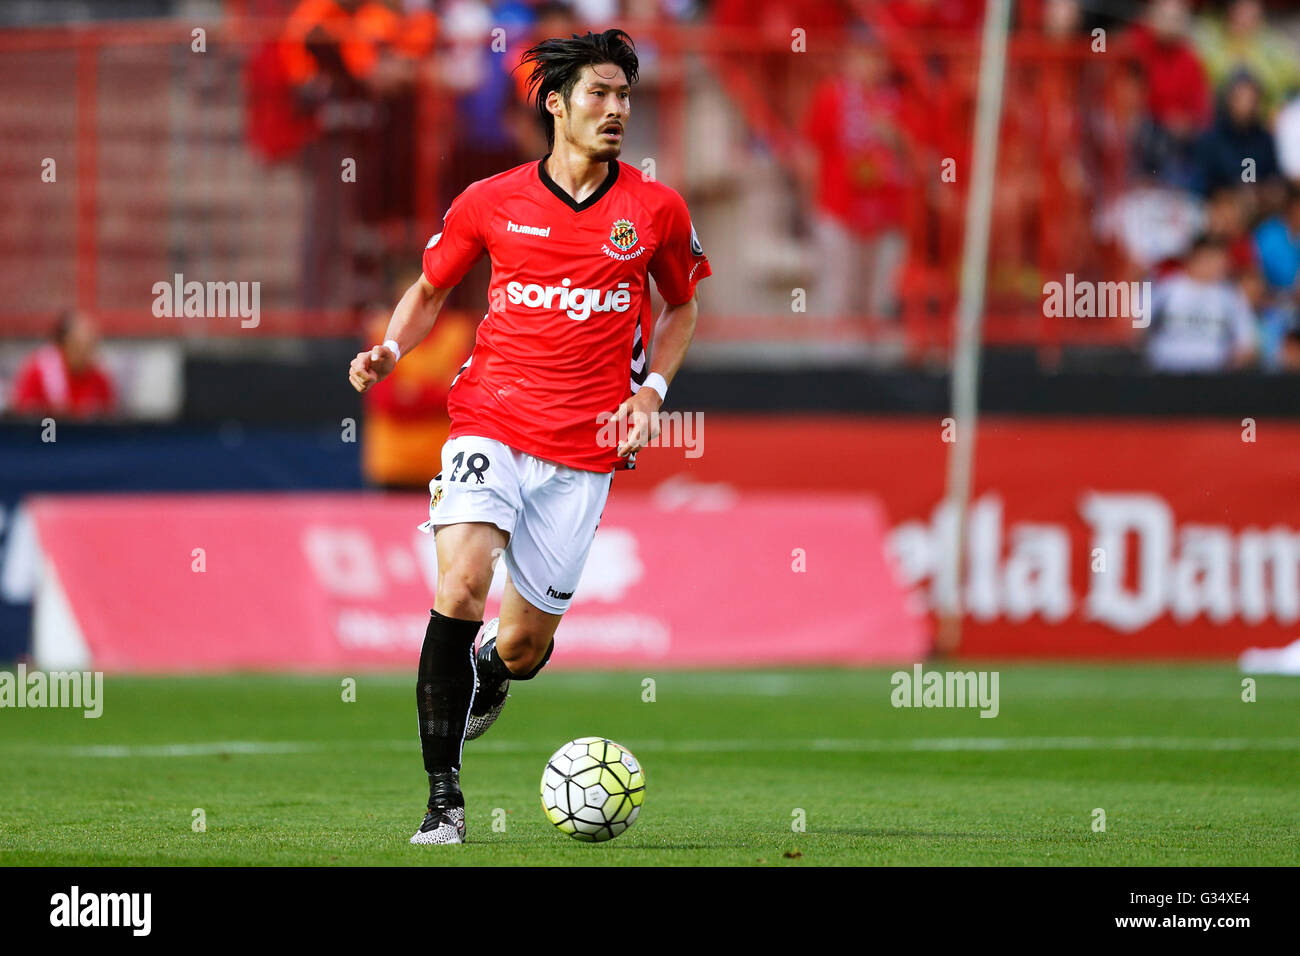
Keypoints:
pixel 1156 141
pixel 1160 143
pixel 1220 136
pixel 1168 132
pixel 341 83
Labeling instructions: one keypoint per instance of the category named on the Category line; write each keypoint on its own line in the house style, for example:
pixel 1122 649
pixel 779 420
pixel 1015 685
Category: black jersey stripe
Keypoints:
pixel 638 359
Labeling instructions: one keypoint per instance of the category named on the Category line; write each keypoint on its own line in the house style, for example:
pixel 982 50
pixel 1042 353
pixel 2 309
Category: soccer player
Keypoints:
pixel 527 466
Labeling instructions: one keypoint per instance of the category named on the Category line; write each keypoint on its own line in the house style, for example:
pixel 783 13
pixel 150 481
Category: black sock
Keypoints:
pixel 493 670
pixel 443 694
pixel 444 789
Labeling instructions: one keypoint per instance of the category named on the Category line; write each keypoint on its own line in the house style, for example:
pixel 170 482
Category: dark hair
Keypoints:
pixel 1206 242
pixel 558 62
pixel 63 326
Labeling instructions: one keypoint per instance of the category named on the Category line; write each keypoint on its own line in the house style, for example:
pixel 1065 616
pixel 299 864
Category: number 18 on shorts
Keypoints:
pixel 550 512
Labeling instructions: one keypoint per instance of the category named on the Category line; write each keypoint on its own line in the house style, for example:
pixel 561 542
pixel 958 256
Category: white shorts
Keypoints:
pixel 550 511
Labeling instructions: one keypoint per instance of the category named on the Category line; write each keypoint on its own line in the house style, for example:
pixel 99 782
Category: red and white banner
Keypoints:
pixel 1110 539
pixel 1100 538
pixel 167 583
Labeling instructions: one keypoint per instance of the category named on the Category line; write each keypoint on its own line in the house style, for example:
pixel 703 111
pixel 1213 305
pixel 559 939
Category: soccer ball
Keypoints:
pixel 592 789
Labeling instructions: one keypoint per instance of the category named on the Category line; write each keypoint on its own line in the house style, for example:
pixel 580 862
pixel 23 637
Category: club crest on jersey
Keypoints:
pixel 623 235
pixel 437 496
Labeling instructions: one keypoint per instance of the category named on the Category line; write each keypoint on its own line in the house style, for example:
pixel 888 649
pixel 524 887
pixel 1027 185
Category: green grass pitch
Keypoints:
pixel 286 772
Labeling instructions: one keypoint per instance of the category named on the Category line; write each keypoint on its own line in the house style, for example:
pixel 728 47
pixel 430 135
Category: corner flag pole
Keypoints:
pixel 969 318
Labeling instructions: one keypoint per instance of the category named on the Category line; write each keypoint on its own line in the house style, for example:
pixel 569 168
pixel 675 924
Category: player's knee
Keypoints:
pixel 462 594
pixel 526 655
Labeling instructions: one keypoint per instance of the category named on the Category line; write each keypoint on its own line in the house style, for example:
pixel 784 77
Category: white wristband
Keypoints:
pixel 658 383
pixel 391 345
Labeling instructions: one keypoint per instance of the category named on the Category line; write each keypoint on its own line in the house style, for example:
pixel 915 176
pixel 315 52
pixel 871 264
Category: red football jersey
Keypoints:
pixel 568 304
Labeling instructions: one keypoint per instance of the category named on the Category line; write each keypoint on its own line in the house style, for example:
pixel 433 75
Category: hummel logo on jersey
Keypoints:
pixel 578 304
pixel 527 230
pixel 558 595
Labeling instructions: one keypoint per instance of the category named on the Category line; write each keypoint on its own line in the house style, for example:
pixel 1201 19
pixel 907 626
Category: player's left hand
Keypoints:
pixel 639 417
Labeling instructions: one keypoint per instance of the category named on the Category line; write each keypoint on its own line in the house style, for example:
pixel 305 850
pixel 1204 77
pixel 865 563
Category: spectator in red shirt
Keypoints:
pixel 63 377
pixel 1178 103
pixel 852 163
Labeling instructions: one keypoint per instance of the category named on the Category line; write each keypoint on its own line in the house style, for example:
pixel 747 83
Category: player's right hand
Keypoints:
pixel 370 367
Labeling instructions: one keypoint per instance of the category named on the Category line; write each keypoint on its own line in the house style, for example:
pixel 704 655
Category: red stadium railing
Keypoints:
pixel 151 138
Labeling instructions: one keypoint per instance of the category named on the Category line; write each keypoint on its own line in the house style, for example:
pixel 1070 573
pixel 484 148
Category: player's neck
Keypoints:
pixel 575 173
